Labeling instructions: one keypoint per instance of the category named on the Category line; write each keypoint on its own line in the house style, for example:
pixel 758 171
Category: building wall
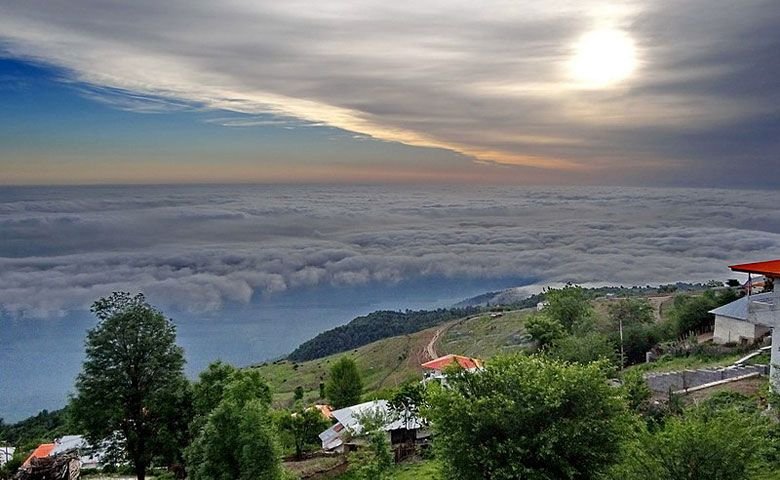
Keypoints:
pixel 731 330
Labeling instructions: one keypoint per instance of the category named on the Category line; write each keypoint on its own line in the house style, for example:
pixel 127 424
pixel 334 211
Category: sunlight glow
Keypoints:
pixel 603 58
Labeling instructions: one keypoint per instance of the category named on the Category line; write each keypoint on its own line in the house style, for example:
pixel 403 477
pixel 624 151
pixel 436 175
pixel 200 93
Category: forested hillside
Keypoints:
pixel 33 430
pixel 375 326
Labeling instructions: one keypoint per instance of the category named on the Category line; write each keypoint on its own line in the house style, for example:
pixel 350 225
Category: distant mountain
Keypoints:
pixel 516 296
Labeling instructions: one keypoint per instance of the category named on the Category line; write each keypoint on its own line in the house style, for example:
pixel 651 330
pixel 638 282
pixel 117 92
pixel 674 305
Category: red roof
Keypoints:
pixel 43 450
pixel 769 268
pixel 443 362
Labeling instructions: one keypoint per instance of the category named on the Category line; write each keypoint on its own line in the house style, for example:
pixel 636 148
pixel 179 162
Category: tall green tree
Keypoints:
pixel 208 391
pixel 238 441
pixel 344 386
pixel 131 379
pixel 570 306
pixel 529 417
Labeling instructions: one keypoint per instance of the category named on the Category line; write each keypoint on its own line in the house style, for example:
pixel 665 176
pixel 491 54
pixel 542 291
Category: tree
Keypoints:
pixel 302 428
pixel 131 379
pixel 569 306
pixel 375 461
pixel 298 395
pixel 344 385
pixel 636 391
pixel 528 417
pixel 544 330
pixel 238 441
pixel 629 312
pixel 733 282
pixel 691 313
pixel 208 391
pixel 584 349
pixel 407 403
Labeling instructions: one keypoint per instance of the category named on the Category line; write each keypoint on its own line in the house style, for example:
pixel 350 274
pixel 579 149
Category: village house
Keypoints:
pixel 69 444
pixel 766 311
pixel 436 367
pixel 732 323
pixel 345 435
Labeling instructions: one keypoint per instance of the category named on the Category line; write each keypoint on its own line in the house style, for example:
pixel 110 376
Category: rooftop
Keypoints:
pixel 739 309
pixel 43 450
pixel 770 268
pixel 443 362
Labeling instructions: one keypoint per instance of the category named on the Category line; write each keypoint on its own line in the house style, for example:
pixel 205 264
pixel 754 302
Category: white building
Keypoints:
pixel 766 311
pixel 732 324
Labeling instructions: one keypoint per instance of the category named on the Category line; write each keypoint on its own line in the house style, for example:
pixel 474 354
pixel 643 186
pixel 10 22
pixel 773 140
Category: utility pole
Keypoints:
pixel 622 353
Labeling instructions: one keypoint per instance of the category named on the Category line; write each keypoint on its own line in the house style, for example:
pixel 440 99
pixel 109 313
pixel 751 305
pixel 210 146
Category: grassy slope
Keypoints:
pixel 383 364
pixel 390 362
pixel 484 337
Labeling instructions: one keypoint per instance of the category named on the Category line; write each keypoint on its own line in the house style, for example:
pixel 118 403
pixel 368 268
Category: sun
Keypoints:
pixel 603 58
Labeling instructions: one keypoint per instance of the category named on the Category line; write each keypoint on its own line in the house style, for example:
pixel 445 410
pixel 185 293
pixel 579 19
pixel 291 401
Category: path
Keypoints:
pixel 430 349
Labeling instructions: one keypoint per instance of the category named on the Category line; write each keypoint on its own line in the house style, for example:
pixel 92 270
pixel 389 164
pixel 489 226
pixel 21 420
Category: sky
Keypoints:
pixel 639 92
pixel 248 272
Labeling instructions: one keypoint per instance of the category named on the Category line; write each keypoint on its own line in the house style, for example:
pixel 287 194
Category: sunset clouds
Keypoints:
pixel 490 81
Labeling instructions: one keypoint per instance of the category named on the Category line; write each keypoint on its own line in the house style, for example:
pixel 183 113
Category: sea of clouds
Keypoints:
pixel 198 248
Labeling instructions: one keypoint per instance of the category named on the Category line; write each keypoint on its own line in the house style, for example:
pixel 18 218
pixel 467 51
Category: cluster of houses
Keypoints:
pixel 401 430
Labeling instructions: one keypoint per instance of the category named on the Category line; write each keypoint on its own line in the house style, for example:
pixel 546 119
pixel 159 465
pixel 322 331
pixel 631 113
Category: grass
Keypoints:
pixel 420 470
pixel 670 364
pixel 383 364
pixel 484 337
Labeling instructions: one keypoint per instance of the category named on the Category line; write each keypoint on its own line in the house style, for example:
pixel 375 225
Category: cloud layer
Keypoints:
pixel 485 79
pixel 198 248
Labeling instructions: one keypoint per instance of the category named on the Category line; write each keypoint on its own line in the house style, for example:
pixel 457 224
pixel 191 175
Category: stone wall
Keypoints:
pixel 664 382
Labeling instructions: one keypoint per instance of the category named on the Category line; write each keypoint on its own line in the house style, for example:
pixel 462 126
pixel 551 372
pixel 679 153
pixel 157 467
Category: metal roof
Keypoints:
pixel 738 309
pixel 349 418
pixel 770 268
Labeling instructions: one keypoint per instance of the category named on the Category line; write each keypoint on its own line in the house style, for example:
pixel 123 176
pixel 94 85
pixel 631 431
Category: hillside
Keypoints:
pixel 375 326
pixel 392 361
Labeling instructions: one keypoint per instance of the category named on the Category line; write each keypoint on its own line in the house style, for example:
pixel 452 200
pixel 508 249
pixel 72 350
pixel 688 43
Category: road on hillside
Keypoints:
pixel 430 349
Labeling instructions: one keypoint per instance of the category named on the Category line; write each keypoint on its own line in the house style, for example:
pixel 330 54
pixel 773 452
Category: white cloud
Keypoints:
pixel 197 248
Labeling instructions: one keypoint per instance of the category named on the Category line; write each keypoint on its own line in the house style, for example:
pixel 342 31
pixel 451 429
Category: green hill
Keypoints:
pixel 375 326
pixel 390 362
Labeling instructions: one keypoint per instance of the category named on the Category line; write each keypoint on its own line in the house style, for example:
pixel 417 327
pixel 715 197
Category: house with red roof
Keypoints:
pixel 436 367
pixel 43 450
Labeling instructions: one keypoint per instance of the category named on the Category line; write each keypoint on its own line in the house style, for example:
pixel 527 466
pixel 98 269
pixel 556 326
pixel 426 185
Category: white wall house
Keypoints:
pixel 732 325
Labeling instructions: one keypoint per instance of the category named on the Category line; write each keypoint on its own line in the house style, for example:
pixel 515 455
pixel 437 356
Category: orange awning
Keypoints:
pixel 770 268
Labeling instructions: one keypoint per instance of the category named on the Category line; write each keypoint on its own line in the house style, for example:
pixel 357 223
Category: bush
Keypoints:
pixel 701 445
pixel 528 417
